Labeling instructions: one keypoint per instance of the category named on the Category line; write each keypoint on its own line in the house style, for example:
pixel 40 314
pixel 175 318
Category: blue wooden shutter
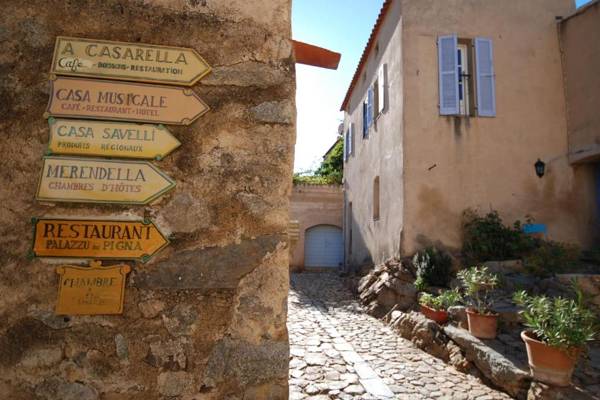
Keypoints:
pixel 448 74
pixel 350 139
pixel 371 105
pixel 365 119
pixel 486 85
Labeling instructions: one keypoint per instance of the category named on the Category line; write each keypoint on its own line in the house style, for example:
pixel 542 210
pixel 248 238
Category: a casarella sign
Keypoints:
pixel 128 61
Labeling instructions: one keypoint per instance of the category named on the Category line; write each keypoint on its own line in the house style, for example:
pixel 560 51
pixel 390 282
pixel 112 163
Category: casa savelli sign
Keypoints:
pixel 127 61
pixel 123 101
pixel 110 139
pixel 90 180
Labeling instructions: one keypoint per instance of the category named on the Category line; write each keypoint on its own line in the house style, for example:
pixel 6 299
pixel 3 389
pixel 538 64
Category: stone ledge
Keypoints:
pixel 494 366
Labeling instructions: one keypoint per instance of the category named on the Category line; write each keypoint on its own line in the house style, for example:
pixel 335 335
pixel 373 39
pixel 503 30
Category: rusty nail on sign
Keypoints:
pixel 123 101
pixel 110 139
pixel 98 239
pixel 96 180
pixel 91 290
pixel 128 61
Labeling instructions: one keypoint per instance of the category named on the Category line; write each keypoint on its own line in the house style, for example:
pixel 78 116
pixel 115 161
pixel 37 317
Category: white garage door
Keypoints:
pixel 323 246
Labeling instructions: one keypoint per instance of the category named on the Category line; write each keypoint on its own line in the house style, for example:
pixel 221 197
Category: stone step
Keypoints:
pixel 501 371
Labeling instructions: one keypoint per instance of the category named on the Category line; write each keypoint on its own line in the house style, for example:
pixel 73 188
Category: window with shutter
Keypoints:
pixel 370 101
pixel 345 146
pixel 448 75
pixel 486 86
pixel 350 139
pixel 365 120
pixel 375 99
pixel 381 82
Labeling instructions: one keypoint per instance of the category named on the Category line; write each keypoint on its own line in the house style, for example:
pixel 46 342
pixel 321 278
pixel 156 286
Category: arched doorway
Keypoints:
pixel 323 246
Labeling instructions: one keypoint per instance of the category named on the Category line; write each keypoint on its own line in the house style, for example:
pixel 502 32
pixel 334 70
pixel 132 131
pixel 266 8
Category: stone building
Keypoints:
pixel 451 106
pixel 205 318
pixel 318 210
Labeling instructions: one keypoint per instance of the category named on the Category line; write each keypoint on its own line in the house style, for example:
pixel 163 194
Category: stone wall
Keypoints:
pixel 206 317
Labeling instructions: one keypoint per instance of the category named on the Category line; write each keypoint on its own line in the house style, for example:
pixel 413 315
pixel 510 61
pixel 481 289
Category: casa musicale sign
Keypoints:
pixel 123 101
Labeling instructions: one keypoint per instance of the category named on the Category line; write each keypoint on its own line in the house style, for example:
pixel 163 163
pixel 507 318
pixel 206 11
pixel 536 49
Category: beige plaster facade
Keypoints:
pixel 313 205
pixel 380 155
pixel 433 167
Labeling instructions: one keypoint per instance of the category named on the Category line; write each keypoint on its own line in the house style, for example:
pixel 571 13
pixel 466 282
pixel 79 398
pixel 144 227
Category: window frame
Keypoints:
pixel 376 198
pixel 470 90
pixel 348 142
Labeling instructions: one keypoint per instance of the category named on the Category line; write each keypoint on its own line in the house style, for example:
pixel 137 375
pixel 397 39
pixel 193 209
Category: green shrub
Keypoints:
pixel 420 284
pixel 486 238
pixel 434 267
pixel 551 258
pixel 478 283
pixel 443 301
pixel 300 178
pixel 558 322
pixel 592 255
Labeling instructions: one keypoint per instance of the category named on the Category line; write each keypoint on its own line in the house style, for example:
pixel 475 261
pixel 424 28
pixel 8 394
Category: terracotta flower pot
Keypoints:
pixel 441 316
pixel 549 364
pixel 482 326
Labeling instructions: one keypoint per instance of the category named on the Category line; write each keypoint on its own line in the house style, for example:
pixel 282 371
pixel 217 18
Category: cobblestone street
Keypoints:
pixel 339 352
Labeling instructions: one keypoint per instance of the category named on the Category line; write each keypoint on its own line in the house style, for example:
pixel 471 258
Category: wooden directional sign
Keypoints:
pixel 110 139
pixel 128 61
pixel 123 101
pixel 91 290
pixel 100 239
pixel 93 180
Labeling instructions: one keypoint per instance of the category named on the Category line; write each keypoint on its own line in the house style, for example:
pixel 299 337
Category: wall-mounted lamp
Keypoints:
pixel 540 168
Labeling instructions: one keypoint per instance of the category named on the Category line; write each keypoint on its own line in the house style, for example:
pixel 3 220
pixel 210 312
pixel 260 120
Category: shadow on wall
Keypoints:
pixel 358 256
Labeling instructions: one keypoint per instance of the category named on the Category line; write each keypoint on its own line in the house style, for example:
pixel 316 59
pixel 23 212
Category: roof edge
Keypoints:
pixel 580 10
pixel 367 50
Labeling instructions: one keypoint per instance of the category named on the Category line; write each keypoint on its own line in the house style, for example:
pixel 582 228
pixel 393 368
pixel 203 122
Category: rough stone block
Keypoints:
pixel 497 368
pixel 212 268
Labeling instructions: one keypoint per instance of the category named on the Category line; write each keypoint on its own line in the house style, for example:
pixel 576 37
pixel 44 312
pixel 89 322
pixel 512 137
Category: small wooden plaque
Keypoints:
pixel 91 290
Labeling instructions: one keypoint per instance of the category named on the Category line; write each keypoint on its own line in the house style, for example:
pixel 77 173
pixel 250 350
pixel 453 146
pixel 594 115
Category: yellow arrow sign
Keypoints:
pixel 123 101
pixel 128 61
pixel 92 180
pixel 89 238
pixel 110 139
pixel 91 290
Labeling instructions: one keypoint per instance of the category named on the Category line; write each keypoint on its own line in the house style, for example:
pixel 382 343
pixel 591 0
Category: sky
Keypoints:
pixel 342 26
pixel 338 25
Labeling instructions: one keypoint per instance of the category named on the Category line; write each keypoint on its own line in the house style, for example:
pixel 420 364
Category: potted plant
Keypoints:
pixel 435 307
pixel 558 331
pixel 478 283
